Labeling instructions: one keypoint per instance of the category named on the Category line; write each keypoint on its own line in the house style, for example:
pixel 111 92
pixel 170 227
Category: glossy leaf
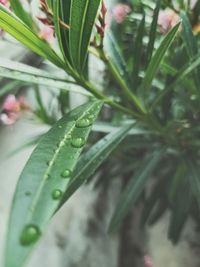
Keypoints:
pixel 157 59
pixel 55 83
pixel 152 34
pixel 82 18
pixel 134 189
pixel 11 24
pixel 138 51
pixel 91 160
pixel 190 43
pixel 62 14
pixel 115 56
pixel 44 179
pixel 21 13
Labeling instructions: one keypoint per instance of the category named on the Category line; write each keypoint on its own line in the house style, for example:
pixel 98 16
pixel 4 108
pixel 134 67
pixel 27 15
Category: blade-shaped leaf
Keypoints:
pixel 49 82
pixel 44 179
pixel 157 58
pixel 115 56
pixel 133 189
pixel 62 13
pixel 21 13
pixel 152 35
pixel 91 160
pixel 15 27
pixel 138 51
pixel 191 44
pixel 82 17
pixel 11 86
pixel 180 210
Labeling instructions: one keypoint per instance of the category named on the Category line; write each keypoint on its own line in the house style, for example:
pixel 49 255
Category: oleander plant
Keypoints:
pixel 142 120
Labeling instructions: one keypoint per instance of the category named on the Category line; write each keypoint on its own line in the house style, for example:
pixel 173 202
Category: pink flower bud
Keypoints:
pixel 167 19
pixel 148 262
pixel 120 12
pixel 47 33
pixel 11 104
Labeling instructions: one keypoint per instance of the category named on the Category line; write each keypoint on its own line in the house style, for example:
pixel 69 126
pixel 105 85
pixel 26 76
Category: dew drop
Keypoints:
pixel 29 235
pixel 57 194
pixel 83 123
pixel 49 163
pixel 78 142
pixel 66 174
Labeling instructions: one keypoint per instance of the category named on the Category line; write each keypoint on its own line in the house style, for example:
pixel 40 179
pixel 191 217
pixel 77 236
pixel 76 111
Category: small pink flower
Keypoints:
pixel 47 33
pixel 12 108
pixel 120 12
pixel 11 104
pixel 9 119
pixel 5 3
pixel 148 262
pixel 167 19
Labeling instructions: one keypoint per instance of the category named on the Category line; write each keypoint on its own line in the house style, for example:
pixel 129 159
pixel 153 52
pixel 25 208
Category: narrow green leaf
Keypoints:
pixel 151 202
pixel 9 87
pixel 44 180
pixel 134 188
pixel 179 76
pixel 157 59
pixel 114 54
pixel 15 27
pixel 49 82
pixel 190 43
pixel 180 210
pixel 82 18
pixel 21 13
pixel 61 13
pixel 194 180
pixel 138 51
pixel 152 34
pixel 91 160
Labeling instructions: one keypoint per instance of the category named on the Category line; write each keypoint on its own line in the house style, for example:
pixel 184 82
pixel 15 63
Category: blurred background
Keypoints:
pixel 77 234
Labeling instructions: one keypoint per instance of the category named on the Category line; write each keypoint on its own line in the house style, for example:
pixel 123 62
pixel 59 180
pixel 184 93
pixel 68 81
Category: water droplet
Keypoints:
pixel 62 143
pixel 57 194
pixel 66 174
pixel 83 123
pixel 50 163
pixel 78 142
pixel 60 127
pixel 46 176
pixel 29 235
pixel 28 193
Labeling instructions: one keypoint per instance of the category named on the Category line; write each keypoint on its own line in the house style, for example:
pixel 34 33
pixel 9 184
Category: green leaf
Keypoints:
pixel 41 80
pixel 62 13
pixel 194 179
pixel 21 13
pixel 115 57
pixel 152 35
pixel 190 43
pixel 138 51
pixel 180 210
pixel 157 59
pixel 44 179
pixel 134 189
pixel 152 201
pixel 15 27
pixel 9 87
pixel 91 160
pixel 82 18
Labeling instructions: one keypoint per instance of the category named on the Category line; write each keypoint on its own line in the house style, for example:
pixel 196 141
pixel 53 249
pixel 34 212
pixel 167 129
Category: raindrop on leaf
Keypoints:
pixel 29 235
